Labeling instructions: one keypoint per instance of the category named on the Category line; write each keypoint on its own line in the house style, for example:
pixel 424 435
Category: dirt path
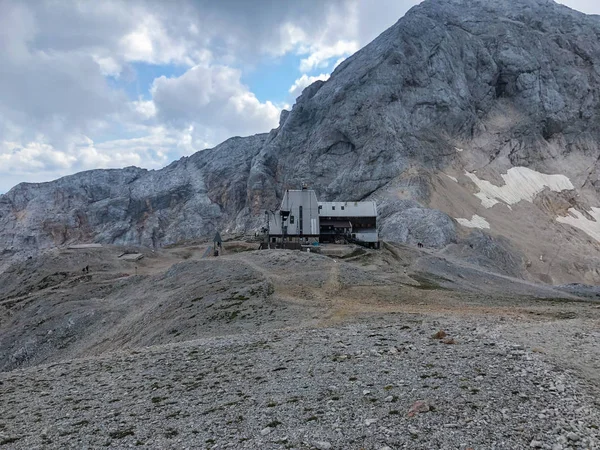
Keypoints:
pixel 333 285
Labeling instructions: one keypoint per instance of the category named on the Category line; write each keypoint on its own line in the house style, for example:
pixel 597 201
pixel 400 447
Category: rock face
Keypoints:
pixel 407 221
pixel 455 88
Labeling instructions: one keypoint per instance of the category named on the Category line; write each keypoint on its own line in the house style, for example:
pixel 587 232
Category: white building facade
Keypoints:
pixel 303 220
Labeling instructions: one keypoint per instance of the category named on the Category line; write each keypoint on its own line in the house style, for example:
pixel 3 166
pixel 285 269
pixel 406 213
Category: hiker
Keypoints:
pixel 420 245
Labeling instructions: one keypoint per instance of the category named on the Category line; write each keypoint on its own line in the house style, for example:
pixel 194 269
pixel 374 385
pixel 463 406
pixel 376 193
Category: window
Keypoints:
pixel 342 208
pixel 333 208
pixel 273 240
pixel 291 219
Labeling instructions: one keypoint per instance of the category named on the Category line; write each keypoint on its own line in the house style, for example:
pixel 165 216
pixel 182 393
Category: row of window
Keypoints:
pixel 332 208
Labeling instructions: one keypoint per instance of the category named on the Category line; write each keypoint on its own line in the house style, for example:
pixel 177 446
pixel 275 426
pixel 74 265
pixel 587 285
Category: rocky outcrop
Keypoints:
pixel 456 87
pixel 407 221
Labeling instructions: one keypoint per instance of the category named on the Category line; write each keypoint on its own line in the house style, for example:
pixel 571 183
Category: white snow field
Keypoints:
pixel 475 222
pixel 520 183
pixel 578 220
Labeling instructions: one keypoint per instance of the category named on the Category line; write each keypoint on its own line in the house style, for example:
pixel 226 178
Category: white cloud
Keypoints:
pixel 151 151
pixel 290 37
pixel 586 6
pixel 41 161
pixel 337 37
pixel 320 57
pixel 146 109
pixel 108 66
pixel 137 45
pixel 305 81
pixel 215 98
pixel 150 42
pixel 33 156
pixel 45 91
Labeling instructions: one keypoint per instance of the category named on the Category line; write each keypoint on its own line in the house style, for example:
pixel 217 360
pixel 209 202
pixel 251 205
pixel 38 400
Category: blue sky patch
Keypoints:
pixel 272 79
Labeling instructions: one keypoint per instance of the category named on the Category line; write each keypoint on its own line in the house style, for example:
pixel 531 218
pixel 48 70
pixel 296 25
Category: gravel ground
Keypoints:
pixel 284 349
pixel 382 383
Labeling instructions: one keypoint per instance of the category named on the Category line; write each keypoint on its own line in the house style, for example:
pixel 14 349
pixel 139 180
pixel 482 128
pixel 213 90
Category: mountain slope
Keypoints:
pixel 432 119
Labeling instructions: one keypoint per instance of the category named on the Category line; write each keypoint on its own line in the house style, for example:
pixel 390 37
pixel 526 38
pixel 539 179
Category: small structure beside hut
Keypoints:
pixel 217 244
pixel 304 222
pixel 354 221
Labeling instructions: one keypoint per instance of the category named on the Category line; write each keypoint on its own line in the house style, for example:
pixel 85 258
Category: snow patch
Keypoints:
pixel 458 149
pixel 452 178
pixel 578 220
pixel 486 201
pixel 520 183
pixel 475 222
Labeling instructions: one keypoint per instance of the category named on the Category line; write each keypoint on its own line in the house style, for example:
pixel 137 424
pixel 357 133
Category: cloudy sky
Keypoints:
pixel 89 84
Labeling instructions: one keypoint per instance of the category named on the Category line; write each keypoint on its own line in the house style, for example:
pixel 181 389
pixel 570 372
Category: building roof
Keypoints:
pixel 296 197
pixel 348 209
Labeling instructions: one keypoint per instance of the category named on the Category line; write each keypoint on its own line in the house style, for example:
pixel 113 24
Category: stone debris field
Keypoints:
pixel 389 349
pixel 389 383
